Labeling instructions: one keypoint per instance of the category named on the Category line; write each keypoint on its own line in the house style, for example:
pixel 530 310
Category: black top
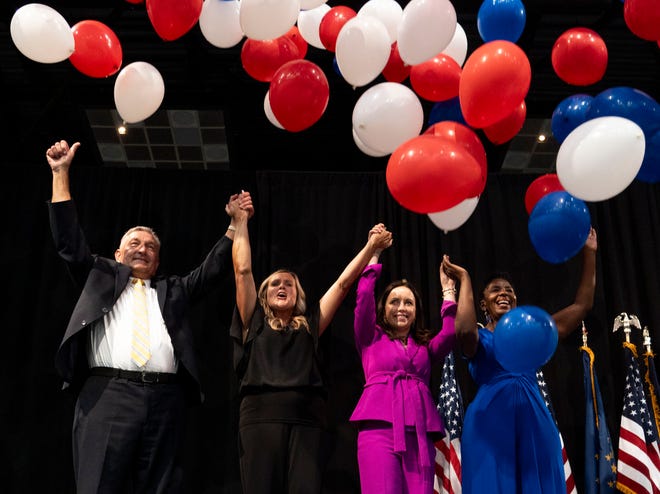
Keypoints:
pixel 279 372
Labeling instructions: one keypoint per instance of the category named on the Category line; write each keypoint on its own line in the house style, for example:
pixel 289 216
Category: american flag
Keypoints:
pixel 568 473
pixel 638 467
pixel 448 449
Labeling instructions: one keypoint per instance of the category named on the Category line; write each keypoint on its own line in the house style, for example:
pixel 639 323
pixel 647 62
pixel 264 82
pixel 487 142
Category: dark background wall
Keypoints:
pixel 313 223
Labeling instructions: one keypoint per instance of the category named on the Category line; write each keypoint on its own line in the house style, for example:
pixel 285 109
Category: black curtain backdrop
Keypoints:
pixel 313 223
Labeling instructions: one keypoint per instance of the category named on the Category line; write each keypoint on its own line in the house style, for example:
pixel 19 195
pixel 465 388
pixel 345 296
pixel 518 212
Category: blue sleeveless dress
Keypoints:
pixel 510 443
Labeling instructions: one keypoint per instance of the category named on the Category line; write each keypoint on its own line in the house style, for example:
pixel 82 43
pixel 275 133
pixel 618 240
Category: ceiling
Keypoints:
pixel 40 103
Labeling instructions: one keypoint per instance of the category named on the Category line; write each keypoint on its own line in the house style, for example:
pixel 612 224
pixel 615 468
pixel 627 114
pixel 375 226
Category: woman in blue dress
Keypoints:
pixel 510 443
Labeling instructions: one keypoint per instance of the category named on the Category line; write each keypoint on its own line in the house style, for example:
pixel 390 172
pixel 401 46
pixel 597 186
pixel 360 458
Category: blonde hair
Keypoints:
pixel 298 319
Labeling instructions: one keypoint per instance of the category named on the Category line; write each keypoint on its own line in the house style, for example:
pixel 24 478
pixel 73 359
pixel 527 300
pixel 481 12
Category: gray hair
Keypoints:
pixel 138 228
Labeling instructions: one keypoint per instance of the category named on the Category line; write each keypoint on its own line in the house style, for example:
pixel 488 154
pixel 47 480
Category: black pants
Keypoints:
pixel 126 437
pixel 279 458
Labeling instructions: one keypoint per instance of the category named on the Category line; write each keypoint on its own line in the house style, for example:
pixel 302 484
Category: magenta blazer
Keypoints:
pixel 397 377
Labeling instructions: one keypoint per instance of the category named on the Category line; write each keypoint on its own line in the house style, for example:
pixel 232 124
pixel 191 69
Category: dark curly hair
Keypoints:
pixel 418 330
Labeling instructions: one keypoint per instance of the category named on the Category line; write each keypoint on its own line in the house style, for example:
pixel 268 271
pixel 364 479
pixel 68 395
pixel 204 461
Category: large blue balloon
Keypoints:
pixel 629 103
pixel 525 338
pixel 559 226
pixel 447 110
pixel 650 170
pixel 501 20
pixel 569 115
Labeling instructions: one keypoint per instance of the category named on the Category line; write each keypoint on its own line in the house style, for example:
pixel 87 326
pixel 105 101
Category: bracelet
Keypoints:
pixel 449 290
pixel 231 228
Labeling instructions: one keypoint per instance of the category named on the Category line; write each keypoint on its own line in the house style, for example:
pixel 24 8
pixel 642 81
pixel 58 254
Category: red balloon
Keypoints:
pixel 172 19
pixel 298 94
pixel 97 51
pixel 495 79
pixel 466 137
pixel 579 57
pixel 262 58
pixel 296 37
pixel 396 69
pixel 427 174
pixel 507 128
pixel 436 79
pixel 331 23
pixel 643 18
pixel 539 188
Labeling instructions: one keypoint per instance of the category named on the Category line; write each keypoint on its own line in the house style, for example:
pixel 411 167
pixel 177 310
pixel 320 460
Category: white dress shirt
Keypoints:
pixel 110 337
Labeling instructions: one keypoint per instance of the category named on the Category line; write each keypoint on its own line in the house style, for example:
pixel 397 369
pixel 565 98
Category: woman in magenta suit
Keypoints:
pixel 396 415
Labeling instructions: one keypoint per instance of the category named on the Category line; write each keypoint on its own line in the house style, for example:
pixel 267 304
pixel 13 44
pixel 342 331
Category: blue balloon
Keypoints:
pixel 525 338
pixel 501 20
pixel 447 110
pixel 650 169
pixel 629 103
pixel 559 226
pixel 335 66
pixel 570 114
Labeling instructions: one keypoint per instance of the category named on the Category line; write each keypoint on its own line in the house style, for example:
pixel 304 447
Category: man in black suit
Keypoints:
pixel 128 347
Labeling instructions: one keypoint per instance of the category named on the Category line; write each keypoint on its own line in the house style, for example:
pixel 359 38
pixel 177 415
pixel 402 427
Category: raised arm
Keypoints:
pixel 569 318
pixel 364 322
pixel 379 239
pixel 59 157
pixel 467 331
pixel 240 209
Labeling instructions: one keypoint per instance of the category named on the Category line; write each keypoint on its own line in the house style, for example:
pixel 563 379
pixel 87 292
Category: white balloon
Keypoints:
pixel 268 19
pixel 308 25
pixel 219 23
pixel 269 112
pixel 389 12
pixel 458 46
pixel 362 50
pixel 386 116
pixel 600 158
pixel 139 91
pixel 366 149
pixel 452 218
pixel 427 27
pixel 310 4
pixel 41 33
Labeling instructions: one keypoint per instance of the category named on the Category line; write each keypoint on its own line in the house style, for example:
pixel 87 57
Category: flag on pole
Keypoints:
pixel 651 379
pixel 448 449
pixel 638 466
pixel 599 462
pixel 568 473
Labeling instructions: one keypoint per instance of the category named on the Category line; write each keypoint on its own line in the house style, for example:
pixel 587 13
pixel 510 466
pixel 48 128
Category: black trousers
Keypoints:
pixel 127 436
pixel 278 458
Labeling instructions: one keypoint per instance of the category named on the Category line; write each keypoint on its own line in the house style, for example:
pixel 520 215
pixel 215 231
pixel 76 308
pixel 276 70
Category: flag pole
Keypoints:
pixel 625 321
pixel 585 348
pixel 650 377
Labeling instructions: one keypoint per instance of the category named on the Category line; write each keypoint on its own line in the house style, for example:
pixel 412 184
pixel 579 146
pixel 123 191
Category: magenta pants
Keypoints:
pixel 384 471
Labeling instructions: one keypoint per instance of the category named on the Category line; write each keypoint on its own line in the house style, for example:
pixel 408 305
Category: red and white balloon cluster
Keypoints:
pixel 440 172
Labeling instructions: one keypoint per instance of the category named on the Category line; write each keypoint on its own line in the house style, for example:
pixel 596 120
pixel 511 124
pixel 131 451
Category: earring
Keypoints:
pixel 488 318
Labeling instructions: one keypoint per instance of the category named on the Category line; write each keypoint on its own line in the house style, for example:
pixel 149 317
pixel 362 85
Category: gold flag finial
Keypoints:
pixel 625 321
pixel 647 339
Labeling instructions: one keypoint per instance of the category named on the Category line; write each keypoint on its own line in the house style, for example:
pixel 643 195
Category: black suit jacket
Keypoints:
pixel 103 280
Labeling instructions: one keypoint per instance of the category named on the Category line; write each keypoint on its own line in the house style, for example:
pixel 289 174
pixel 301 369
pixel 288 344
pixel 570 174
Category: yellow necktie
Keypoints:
pixel 140 352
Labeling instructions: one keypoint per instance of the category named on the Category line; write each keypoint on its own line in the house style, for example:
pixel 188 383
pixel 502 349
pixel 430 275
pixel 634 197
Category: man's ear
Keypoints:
pixel 118 255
